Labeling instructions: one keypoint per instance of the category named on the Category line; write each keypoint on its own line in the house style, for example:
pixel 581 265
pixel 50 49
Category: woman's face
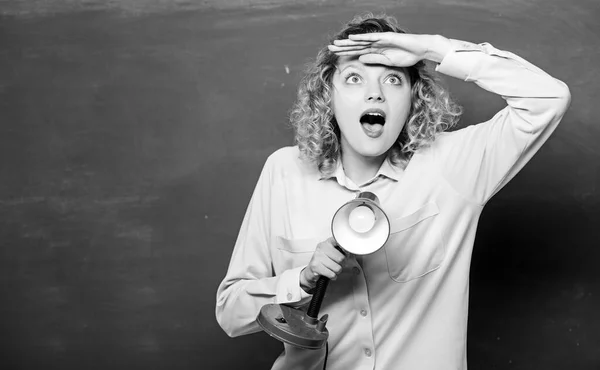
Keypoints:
pixel 371 103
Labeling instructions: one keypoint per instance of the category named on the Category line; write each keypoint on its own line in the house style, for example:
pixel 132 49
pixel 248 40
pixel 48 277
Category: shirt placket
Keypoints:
pixel 364 346
pixel 365 343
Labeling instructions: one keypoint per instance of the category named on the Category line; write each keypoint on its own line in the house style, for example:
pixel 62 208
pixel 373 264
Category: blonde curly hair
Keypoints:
pixel 317 133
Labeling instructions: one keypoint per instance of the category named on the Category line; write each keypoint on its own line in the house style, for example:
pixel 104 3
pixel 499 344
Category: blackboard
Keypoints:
pixel 131 137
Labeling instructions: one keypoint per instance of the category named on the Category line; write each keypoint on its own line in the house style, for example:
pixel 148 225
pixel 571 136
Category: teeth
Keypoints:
pixel 373 118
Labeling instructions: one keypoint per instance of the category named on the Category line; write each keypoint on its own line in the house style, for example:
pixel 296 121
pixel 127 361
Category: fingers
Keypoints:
pixel 349 47
pixel 326 261
pixel 375 59
pixel 329 247
pixel 313 272
pixel 330 262
pixel 366 55
pixel 349 51
pixel 340 49
pixel 371 37
pixel 327 268
pixel 332 266
pixel 347 42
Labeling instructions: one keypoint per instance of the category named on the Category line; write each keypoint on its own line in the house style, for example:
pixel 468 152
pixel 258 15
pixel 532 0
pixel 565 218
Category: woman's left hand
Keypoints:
pixel 392 49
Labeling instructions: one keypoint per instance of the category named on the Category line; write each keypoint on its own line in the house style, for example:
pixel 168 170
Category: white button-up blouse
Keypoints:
pixel 404 306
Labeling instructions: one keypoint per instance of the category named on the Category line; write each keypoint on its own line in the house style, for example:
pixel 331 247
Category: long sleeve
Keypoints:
pixel 480 159
pixel 250 282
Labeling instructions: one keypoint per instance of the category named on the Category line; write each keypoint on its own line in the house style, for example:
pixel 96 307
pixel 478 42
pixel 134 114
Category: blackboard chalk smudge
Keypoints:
pixel 36 234
pixel 142 232
pixel 126 199
pixel 19 201
pixel 60 244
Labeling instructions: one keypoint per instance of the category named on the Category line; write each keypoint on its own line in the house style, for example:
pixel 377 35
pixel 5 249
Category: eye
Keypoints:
pixel 353 78
pixel 394 79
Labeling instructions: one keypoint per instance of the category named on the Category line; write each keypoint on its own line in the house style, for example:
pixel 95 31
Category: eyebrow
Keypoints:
pixel 352 64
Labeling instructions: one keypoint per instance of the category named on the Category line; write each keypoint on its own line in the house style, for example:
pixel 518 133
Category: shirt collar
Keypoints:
pixel 387 169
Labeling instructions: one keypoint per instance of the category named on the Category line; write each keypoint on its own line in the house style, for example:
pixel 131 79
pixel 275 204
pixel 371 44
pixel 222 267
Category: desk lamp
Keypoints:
pixel 359 227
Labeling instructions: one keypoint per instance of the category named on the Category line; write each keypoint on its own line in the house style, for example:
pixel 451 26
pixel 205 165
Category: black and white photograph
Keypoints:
pixel 299 184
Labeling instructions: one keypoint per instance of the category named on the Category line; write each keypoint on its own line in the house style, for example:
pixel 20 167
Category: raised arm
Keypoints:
pixel 479 160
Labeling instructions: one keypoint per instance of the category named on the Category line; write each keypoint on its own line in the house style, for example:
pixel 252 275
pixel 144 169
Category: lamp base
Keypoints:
pixel 293 326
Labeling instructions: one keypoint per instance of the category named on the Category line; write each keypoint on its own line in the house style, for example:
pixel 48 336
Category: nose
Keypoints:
pixel 374 94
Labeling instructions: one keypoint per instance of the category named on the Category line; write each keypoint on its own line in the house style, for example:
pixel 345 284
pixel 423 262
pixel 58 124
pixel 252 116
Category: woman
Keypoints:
pixel 371 117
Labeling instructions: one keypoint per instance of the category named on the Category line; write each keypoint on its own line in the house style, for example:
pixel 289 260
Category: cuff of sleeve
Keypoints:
pixel 462 60
pixel 288 287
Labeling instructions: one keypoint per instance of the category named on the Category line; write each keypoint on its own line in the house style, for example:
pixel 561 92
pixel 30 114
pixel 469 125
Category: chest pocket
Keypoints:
pixel 414 248
pixel 294 253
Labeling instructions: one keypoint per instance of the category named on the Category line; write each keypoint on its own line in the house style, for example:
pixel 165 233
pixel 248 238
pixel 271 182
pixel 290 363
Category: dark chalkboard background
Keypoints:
pixel 131 137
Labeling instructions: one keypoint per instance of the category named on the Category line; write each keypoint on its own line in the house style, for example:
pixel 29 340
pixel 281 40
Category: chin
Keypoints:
pixel 373 151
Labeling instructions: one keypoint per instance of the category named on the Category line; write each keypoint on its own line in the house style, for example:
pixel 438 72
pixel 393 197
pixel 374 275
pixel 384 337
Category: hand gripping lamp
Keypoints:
pixel 359 227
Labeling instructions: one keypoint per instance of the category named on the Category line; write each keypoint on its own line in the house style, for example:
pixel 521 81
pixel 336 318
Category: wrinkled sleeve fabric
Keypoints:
pixel 480 159
pixel 250 282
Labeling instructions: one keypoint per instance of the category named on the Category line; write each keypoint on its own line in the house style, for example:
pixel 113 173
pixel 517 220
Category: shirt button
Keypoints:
pixel 363 312
pixel 368 352
pixel 356 271
pixel 289 296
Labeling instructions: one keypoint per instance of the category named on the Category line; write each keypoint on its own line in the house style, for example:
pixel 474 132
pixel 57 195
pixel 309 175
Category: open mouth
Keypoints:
pixel 372 122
